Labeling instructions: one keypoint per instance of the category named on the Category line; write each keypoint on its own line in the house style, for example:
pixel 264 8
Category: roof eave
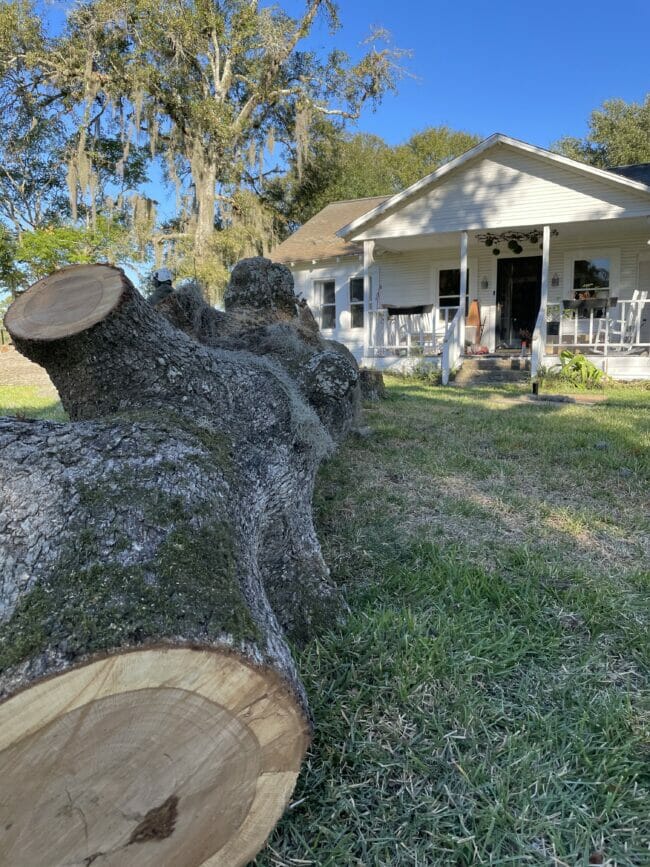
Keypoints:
pixel 299 261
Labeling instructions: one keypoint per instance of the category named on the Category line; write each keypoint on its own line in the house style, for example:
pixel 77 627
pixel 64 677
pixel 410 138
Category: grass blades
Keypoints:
pixel 486 702
pixel 29 401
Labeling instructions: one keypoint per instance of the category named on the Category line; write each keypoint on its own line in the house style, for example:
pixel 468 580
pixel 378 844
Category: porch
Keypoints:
pixel 580 286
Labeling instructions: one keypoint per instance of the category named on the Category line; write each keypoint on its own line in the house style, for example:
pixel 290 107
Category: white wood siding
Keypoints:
pixel 404 278
pixel 305 282
pixel 510 188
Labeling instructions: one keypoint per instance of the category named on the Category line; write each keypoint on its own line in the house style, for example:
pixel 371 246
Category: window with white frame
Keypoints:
pixel 591 284
pixel 326 295
pixel 356 302
pixel 449 288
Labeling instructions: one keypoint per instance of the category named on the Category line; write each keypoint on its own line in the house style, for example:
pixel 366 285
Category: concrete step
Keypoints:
pixel 496 363
pixel 472 375
pixel 487 370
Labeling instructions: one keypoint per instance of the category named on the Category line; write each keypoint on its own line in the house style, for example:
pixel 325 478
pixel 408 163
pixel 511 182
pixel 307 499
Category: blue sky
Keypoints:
pixel 531 70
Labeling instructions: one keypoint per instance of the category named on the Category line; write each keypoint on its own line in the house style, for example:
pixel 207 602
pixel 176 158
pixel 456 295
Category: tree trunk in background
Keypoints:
pixel 204 175
pixel 154 551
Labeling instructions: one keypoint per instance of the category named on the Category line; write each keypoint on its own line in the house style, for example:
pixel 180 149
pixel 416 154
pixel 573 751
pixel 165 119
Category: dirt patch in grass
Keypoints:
pixel 16 370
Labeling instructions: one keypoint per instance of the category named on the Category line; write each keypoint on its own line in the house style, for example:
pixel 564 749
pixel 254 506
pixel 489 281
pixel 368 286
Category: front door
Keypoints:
pixel 519 287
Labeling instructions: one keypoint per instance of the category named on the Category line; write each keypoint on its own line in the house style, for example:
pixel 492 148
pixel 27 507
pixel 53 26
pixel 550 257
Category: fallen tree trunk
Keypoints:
pixel 154 552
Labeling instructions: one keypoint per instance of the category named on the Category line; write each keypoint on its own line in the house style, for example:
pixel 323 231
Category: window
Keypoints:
pixel 591 285
pixel 356 302
pixel 326 292
pixel 590 275
pixel 449 288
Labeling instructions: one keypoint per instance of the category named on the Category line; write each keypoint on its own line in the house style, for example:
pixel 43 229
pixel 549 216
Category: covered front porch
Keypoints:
pixel 522 290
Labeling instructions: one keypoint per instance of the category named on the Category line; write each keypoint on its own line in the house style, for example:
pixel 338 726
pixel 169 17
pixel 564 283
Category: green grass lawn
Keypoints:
pixel 29 401
pixel 486 702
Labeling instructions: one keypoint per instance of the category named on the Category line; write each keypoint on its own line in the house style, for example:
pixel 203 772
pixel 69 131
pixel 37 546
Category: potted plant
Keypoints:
pixel 525 336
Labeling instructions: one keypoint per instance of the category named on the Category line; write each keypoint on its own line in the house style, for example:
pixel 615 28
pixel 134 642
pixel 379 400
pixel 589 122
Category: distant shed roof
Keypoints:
pixel 317 238
pixel 638 172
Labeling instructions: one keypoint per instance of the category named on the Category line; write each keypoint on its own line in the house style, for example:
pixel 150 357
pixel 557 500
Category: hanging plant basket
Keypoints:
pixel 513 240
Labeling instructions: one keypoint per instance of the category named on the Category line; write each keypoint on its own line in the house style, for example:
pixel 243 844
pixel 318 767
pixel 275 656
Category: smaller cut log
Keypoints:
pixel 65 303
pixel 372 384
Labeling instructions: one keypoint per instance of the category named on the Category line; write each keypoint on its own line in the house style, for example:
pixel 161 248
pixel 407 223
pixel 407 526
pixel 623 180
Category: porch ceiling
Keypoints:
pixel 605 230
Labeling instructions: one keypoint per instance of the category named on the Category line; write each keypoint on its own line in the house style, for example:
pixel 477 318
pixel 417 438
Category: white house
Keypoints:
pixel 504 245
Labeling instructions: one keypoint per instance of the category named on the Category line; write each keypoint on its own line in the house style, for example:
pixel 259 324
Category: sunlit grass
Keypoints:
pixel 29 402
pixel 486 702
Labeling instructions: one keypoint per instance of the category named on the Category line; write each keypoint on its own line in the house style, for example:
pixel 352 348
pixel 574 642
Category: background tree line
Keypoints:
pixel 245 129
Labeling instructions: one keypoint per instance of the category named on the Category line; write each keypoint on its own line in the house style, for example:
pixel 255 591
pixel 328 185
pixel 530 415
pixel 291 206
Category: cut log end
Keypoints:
pixel 66 302
pixel 159 757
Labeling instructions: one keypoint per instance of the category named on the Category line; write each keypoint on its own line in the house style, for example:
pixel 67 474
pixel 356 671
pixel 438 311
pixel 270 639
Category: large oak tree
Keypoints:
pixel 222 91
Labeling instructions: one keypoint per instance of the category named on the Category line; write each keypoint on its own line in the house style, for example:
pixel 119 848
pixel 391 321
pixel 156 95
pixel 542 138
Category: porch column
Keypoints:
pixel 368 260
pixel 463 287
pixel 539 334
pixel 546 243
pixel 546 249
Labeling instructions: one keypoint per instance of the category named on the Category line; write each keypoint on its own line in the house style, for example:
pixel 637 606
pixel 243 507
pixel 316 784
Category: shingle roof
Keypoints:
pixel 639 172
pixel 317 238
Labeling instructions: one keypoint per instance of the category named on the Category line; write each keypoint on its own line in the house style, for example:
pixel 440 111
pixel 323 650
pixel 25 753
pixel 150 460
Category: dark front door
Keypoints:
pixel 519 286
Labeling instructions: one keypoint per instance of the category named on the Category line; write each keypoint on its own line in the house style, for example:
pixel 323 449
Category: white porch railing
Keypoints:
pixel 624 328
pixel 453 345
pixel 409 333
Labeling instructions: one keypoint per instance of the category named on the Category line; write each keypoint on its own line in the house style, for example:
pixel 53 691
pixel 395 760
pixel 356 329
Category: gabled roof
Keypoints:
pixel 318 238
pixel 637 172
pixel 392 203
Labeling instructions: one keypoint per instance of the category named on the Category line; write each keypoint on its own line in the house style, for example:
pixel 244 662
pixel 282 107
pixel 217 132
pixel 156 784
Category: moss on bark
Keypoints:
pixel 189 591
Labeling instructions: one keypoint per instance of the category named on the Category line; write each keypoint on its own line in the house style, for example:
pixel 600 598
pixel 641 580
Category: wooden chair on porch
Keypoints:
pixel 621 335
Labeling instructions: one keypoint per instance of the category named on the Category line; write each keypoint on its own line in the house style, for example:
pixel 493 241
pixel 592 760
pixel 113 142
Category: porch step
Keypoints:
pixel 484 371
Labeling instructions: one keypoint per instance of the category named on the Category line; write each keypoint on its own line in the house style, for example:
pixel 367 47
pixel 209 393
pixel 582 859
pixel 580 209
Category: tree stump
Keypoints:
pixel 372 384
pixel 155 552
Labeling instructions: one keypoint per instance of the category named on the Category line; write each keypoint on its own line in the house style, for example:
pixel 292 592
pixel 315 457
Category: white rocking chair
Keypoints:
pixel 622 334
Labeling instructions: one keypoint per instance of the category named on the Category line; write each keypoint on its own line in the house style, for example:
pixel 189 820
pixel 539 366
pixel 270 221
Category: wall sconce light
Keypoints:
pixel 484 283
pixel 555 279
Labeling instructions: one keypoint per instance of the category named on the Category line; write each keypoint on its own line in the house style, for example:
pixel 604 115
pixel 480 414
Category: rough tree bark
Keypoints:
pixel 155 552
pixel 371 383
